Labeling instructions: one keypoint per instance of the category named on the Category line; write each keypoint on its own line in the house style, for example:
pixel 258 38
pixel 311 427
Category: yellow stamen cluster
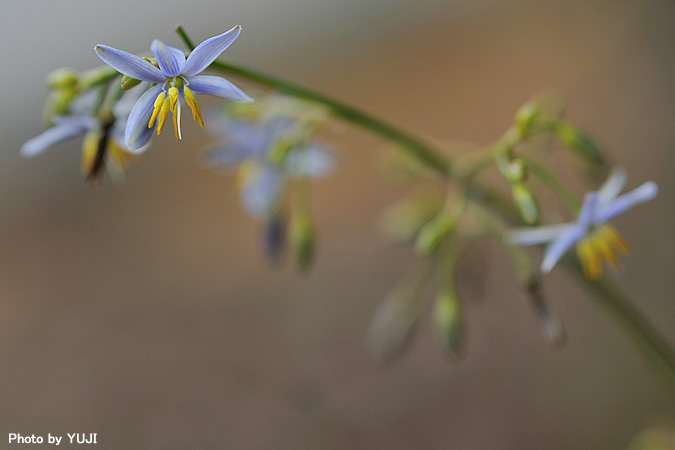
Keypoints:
pixel 164 105
pixel 603 243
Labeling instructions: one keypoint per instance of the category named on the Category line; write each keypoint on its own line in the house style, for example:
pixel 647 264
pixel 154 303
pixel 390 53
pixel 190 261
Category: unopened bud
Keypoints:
pixel 96 76
pixel 516 171
pixel 526 203
pixel 434 231
pixel 57 104
pixel 62 78
pixel 449 319
pixel 580 142
pixel 302 235
pixel 526 118
pixel 128 82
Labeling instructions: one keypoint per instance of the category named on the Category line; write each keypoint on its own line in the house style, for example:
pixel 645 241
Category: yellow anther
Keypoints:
pixel 194 106
pixel 159 101
pixel 173 96
pixel 163 114
pixel 89 150
pixel 602 243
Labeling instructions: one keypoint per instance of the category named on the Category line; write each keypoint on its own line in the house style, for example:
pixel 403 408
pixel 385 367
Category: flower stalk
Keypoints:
pixel 647 338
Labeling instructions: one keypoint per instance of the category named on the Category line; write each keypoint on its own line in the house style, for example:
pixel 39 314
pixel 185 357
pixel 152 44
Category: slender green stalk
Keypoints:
pixel 416 146
pixel 644 334
pixel 554 183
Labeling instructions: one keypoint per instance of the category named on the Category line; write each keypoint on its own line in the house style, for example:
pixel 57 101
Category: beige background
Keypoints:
pixel 144 312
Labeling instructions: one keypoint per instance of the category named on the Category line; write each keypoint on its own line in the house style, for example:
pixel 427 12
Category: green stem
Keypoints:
pixel 646 337
pixel 554 183
pixel 416 146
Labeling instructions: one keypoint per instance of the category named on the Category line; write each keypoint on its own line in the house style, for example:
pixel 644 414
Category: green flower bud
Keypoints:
pixel 280 150
pixel 526 203
pixel 57 104
pixel 128 82
pixel 526 118
pixel 96 76
pixel 404 219
pixel 434 231
pixel 450 326
pixel 62 78
pixel 516 171
pixel 580 142
pixel 302 236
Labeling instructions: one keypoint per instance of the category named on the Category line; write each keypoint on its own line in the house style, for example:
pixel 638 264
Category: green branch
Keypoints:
pixel 648 339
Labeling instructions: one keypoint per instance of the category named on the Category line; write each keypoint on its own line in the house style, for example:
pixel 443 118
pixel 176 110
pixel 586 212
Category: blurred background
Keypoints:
pixel 146 312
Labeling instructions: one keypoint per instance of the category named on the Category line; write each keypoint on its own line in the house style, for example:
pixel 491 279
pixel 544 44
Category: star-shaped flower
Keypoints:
pixel 177 78
pixel 594 238
pixel 262 180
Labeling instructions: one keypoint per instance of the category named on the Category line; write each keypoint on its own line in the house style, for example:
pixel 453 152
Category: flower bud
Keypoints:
pixel 516 171
pixel 96 76
pixel 302 235
pixel 57 104
pixel 526 118
pixel 526 203
pixel 580 142
pixel 434 231
pixel 450 326
pixel 128 82
pixel 62 78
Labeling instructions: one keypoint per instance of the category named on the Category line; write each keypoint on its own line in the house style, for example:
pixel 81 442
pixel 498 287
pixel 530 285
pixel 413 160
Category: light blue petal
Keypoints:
pixel 129 64
pixel 85 122
pixel 560 246
pixel 206 52
pixel 538 235
pixel 217 86
pixel 52 136
pixel 137 133
pixel 261 194
pixel 589 209
pixel 612 187
pixel 220 155
pixel 248 136
pixel 310 162
pixel 641 194
pixel 170 59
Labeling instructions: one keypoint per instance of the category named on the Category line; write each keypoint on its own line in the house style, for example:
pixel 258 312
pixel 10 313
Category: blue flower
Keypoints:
pixel 103 142
pixel 176 79
pixel 250 144
pixel 594 238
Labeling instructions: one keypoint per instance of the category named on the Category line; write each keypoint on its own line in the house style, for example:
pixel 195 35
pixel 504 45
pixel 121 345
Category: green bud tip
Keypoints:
pixel 433 233
pixel 526 118
pixel 526 203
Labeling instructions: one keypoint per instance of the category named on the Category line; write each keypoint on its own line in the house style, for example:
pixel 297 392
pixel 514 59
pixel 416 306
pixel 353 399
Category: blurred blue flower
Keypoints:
pixel 176 78
pixel 595 239
pixel 103 143
pixel 250 144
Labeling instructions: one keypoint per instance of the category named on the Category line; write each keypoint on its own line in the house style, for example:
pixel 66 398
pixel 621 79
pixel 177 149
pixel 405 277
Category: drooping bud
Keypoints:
pixel 579 141
pixel 396 319
pixel 404 219
pixel 434 231
pixel 551 324
pixel 526 119
pixel 450 324
pixel 526 203
pixel 302 236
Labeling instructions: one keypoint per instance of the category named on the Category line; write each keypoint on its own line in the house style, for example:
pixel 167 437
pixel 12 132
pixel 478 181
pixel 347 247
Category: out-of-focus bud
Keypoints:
pixel 302 235
pixel 90 148
pixel 516 171
pixel 128 82
pixel 551 324
pixel 57 104
pixel 526 203
pixel 579 141
pixel 404 219
pixel 96 76
pixel 274 236
pixel 450 324
pixel 396 319
pixel 434 231
pixel 526 119
pixel 62 78
pixel 280 150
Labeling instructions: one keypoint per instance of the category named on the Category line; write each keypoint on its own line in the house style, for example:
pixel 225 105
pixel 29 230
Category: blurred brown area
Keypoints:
pixel 145 311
